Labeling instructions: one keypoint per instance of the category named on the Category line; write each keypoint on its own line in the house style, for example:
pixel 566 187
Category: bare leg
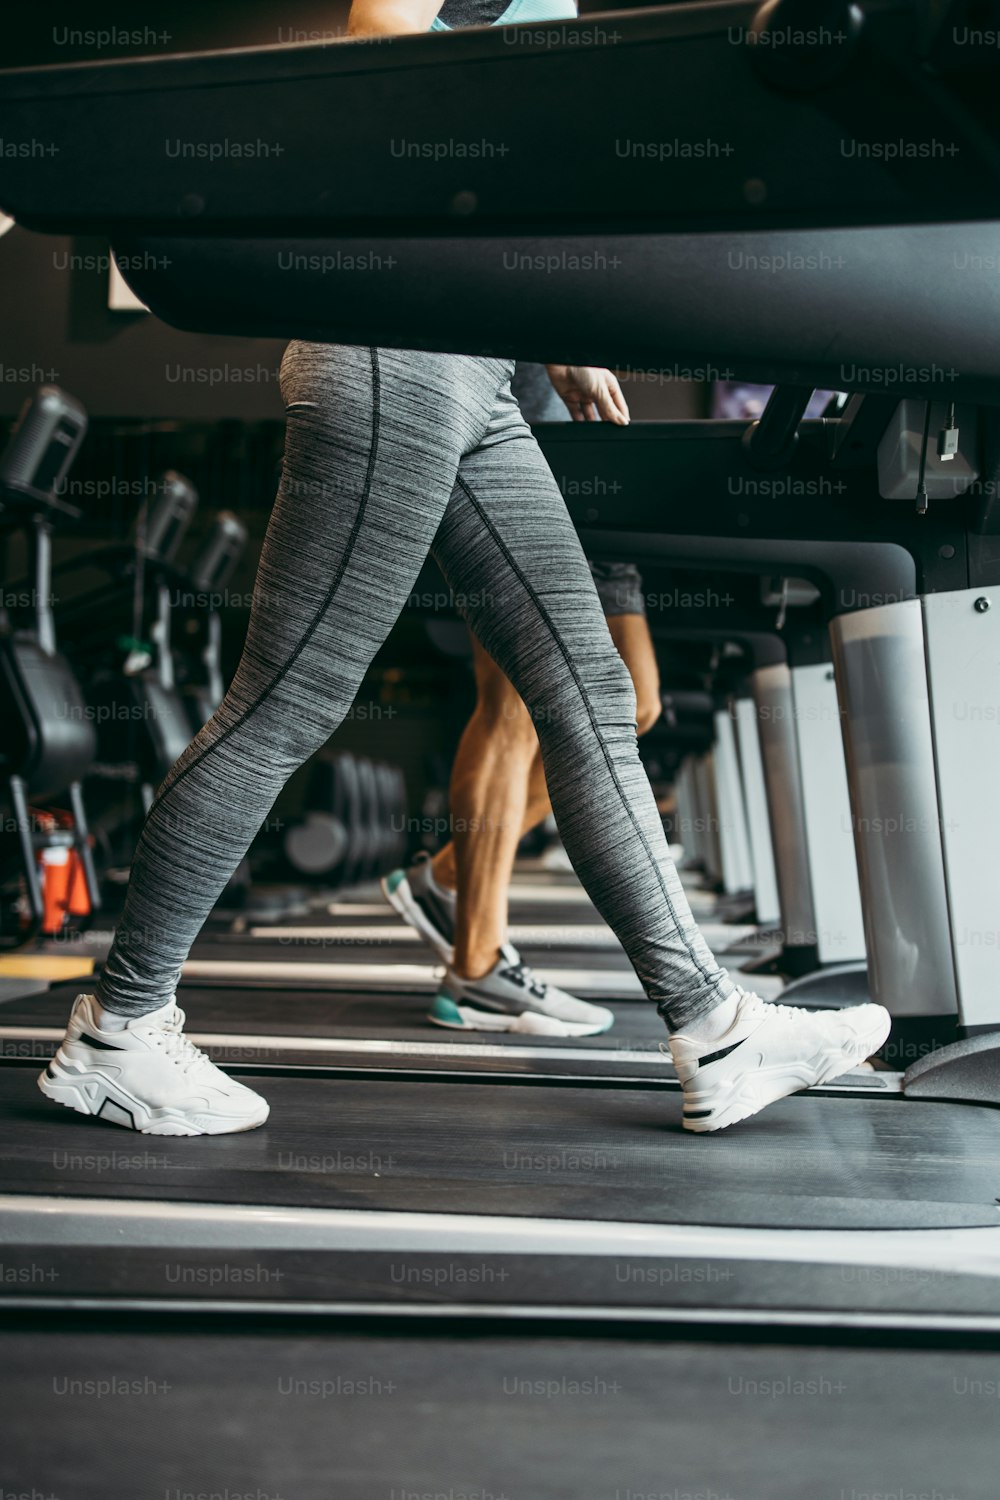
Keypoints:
pixel 498 793
pixel 489 791
pixel 630 634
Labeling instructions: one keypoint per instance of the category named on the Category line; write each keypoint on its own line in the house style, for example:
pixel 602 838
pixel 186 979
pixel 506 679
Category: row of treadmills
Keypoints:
pixel 466 1269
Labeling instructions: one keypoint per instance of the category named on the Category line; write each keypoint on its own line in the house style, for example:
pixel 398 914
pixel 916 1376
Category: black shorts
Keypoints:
pixel 620 586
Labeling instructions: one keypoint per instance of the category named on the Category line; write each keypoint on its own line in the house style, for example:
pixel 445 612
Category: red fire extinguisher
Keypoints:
pixel 64 885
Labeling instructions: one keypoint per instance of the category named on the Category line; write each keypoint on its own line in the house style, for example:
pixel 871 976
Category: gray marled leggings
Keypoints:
pixel 390 455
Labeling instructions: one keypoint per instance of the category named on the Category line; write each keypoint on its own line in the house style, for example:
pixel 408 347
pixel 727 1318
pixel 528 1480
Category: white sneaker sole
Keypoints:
pixel 764 1086
pixel 94 1094
pixel 401 900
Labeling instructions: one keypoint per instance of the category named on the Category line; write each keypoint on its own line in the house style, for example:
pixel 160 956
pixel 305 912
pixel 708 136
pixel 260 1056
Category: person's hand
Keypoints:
pixel 590 394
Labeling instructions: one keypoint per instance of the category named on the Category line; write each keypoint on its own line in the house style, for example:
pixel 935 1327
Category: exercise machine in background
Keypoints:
pixel 47 735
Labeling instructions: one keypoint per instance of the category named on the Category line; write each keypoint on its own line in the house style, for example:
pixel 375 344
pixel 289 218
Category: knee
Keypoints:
pixel 620 690
pixel 504 717
pixel 274 739
pixel 599 694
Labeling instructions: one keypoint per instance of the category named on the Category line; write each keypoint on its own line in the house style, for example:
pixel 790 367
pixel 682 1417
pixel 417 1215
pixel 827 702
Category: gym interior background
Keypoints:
pixel 496 1265
pixel 209 406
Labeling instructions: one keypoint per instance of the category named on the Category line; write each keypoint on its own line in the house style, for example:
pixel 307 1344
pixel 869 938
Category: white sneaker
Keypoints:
pixel 148 1077
pixel 512 997
pixel 770 1051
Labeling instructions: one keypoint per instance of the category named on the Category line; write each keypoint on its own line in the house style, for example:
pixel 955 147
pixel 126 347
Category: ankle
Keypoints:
pixel 475 965
pixel 443 871
pixel 109 1020
pixel 714 1023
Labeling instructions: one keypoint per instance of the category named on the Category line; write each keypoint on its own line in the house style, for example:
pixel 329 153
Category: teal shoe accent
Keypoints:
pixel 393 881
pixel 444 1009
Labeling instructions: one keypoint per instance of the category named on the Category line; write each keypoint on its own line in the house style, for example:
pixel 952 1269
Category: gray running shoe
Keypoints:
pixel 427 906
pixel 511 997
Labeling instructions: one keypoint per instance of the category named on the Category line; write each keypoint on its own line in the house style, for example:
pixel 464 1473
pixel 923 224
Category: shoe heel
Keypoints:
pixel 444 1012
pixel 64 1089
pixel 397 891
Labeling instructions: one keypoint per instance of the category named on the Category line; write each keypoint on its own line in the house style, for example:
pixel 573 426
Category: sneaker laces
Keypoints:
pixel 782 1012
pixel 178 1047
pixel 755 1007
pixel 525 979
pixel 787 1012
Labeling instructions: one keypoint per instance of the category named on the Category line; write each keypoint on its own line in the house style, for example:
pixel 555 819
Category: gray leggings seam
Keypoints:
pixel 428 453
pixel 331 594
pixel 588 707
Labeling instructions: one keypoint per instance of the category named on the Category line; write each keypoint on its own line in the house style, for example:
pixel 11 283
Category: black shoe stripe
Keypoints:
pixel 477 1001
pixel 489 1002
pixel 437 913
pixel 93 1041
pixel 48 1071
pixel 712 1057
pixel 106 1100
pixel 698 1114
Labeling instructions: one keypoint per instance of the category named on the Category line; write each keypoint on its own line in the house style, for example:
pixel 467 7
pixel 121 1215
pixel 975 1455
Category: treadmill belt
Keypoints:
pixel 536 939
pixel 332 950
pixel 572 1152
pixel 483 1415
pixel 338 1013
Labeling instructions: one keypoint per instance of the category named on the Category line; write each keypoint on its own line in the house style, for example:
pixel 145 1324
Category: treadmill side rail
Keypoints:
pixel 962 632
pixel 882 682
